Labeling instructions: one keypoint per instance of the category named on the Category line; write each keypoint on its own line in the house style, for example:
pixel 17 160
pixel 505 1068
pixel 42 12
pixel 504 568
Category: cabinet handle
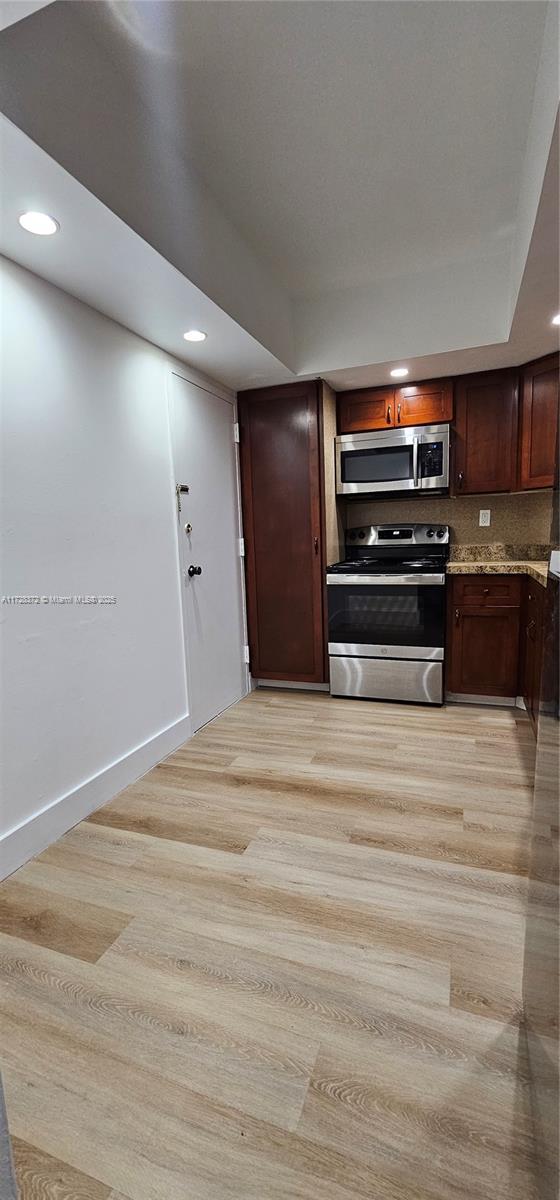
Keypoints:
pixel 457 616
pixel 460 478
pixel 486 591
pixel 388 414
pixel 399 414
pixel 316 544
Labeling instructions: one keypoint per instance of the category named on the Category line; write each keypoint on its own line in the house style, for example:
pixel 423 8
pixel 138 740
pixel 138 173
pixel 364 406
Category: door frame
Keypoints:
pixel 220 393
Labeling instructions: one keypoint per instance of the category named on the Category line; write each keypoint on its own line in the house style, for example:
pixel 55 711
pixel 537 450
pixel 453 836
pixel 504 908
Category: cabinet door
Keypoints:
pixel 366 409
pixel 531 648
pixel 486 433
pixel 424 403
pixel 281 495
pixel 539 423
pixel 484 645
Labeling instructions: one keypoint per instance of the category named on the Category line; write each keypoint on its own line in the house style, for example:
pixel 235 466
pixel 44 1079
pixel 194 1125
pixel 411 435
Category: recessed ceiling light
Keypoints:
pixel 38 222
pixel 556 319
pixel 399 372
pixel 195 335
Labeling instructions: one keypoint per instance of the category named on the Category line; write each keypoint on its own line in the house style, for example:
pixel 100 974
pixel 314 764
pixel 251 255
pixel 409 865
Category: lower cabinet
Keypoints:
pixel 494 637
pixel 531 648
pixel 483 635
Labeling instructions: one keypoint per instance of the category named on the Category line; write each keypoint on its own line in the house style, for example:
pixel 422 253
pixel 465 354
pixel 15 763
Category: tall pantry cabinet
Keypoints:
pixel 282 487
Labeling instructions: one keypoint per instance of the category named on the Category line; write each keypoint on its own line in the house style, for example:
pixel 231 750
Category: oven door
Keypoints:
pixel 399 460
pixel 387 616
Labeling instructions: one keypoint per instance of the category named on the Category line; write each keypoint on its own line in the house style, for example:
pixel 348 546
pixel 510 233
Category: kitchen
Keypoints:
pixel 396 488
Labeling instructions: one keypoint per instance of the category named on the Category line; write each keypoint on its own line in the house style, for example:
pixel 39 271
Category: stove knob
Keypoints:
pixel 429 533
pixel 362 533
pixel 352 536
pixel 441 533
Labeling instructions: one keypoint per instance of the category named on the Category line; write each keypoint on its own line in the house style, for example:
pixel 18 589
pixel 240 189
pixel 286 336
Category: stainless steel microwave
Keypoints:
pixel 395 460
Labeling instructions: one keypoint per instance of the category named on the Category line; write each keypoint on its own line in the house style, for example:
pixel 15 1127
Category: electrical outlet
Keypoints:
pixel 484 518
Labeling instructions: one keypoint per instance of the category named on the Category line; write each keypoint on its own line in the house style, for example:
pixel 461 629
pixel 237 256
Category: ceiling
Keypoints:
pixel 329 132
pixel 100 260
pixel 341 185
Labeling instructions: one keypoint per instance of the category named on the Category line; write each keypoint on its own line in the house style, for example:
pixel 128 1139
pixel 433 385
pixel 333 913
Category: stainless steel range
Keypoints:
pixel 386 605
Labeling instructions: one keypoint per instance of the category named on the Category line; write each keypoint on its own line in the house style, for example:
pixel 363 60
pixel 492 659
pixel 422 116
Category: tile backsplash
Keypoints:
pixel 516 518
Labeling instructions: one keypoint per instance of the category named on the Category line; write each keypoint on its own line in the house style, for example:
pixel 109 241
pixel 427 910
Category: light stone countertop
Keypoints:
pixel 536 570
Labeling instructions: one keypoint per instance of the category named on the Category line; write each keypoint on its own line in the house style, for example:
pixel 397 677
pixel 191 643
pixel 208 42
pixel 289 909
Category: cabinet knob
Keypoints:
pixel 194 571
pixel 486 591
pixel 457 616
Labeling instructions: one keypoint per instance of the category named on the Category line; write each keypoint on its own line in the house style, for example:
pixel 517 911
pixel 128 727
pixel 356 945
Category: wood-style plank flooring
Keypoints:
pixel 285 965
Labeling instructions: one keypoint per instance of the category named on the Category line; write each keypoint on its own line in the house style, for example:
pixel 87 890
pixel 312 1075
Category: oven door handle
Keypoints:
pixel 415 478
pixel 386 580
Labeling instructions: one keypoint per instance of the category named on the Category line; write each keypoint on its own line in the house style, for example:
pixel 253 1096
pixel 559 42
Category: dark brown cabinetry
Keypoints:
pixel 366 409
pixel 282 518
pixel 383 408
pixel 539 423
pixel 531 647
pixel 506 422
pixel 486 433
pixel 483 635
pixel 425 403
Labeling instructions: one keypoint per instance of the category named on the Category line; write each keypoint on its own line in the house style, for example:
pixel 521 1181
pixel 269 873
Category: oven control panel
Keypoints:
pixel 397 535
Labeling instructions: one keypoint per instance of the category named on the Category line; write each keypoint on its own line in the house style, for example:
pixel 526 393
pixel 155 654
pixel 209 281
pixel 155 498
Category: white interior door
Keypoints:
pixel 205 461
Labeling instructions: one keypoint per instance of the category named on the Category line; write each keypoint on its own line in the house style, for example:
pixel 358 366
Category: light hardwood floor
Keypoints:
pixel 285 965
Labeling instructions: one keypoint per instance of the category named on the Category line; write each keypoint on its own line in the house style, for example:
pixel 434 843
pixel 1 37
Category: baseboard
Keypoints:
pixel 492 701
pixel 287 683
pixel 27 840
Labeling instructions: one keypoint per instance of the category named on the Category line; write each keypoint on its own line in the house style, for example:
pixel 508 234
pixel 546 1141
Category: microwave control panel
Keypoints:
pixel 431 460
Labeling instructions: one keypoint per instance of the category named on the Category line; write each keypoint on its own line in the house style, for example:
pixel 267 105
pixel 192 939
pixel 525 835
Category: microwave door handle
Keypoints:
pixel 415 462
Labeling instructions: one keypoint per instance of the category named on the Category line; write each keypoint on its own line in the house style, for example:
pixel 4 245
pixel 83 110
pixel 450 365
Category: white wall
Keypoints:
pixel 88 508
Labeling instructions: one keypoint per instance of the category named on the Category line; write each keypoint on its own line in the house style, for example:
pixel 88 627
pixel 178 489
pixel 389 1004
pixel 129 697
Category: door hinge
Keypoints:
pixel 236 431
pixel 241 543
pixel 246 655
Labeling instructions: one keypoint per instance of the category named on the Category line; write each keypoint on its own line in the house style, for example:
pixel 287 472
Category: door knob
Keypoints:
pixel 194 571
pixel 188 527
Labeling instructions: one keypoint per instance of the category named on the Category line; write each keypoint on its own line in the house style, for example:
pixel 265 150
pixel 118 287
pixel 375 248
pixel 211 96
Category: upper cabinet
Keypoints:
pixel 383 408
pixel 425 403
pixel 486 433
pixel 368 408
pixel 539 423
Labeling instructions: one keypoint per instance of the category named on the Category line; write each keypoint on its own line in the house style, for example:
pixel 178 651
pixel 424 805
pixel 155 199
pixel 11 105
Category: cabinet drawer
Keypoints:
pixel 480 590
